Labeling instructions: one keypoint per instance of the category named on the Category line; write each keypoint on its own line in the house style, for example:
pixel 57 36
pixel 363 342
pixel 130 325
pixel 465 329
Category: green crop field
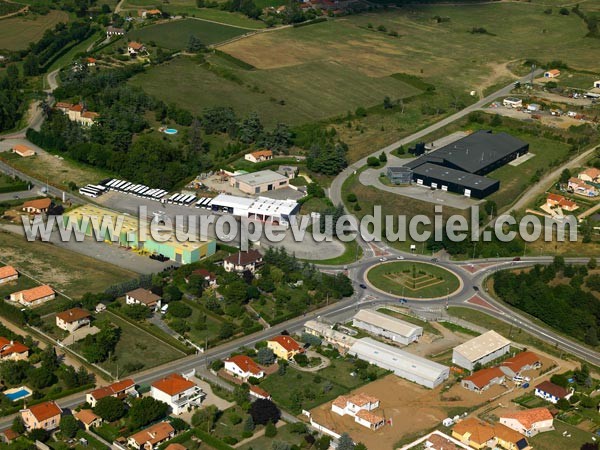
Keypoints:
pixel 17 32
pixel 176 35
pixel 298 94
pixel 413 280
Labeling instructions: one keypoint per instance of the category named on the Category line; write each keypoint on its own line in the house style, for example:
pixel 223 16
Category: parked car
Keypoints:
pixel 363 285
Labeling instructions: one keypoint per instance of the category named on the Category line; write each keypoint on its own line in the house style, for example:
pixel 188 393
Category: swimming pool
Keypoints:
pixel 17 393
pixel 170 131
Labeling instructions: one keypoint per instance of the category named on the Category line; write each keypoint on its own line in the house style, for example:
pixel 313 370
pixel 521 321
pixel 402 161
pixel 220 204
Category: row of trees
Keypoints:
pixel 12 100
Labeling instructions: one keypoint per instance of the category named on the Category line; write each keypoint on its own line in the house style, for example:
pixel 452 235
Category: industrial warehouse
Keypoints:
pixel 181 252
pixel 405 365
pixel 460 166
pixel 480 350
pixel 265 209
pixel 381 324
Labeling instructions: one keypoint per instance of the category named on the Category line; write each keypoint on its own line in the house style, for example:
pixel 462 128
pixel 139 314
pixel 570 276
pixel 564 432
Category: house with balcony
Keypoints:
pixel 177 391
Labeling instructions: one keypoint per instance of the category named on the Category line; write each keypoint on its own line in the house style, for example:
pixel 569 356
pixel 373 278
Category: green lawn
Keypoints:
pixel 72 273
pixel 554 440
pixel 416 280
pixel 175 35
pixel 296 94
pixel 134 347
pixel 19 284
pixel 17 32
pixel 284 434
pixel 212 326
pixel 229 18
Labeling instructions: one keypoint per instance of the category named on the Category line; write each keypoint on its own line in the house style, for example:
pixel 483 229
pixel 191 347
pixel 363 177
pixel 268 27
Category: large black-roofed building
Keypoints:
pixel 459 167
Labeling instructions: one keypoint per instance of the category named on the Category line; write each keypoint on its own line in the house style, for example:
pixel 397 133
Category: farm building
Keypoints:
pixel 23 151
pixel 259 182
pixel 405 365
pixel 529 422
pixel 482 379
pixel 460 166
pixel 181 252
pixel 8 274
pixel 399 175
pixel 481 349
pixel 521 362
pixel 263 209
pixel 259 156
pixel 552 73
pixel 381 324
pixel 341 341
pixel 512 102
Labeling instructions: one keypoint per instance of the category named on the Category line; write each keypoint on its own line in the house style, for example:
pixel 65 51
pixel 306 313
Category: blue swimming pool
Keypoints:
pixel 170 131
pixel 18 394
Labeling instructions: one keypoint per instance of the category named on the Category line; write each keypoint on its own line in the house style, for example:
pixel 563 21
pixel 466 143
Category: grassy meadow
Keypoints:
pixel 17 32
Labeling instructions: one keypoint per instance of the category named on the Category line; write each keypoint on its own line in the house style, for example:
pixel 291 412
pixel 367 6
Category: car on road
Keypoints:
pixel 518 258
pixel 383 259
pixel 399 257
pixel 363 285
pixel 476 288
pixel 16 196
pixel 434 260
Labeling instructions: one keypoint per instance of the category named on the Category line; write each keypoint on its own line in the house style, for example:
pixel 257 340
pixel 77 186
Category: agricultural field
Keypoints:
pixel 71 273
pixel 413 280
pixel 293 95
pixel 175 35
pixel 17 32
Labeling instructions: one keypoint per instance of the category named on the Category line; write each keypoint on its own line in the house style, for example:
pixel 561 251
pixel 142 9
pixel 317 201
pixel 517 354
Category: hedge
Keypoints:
pixel 212 441
pixel 14 188
pixel 310 22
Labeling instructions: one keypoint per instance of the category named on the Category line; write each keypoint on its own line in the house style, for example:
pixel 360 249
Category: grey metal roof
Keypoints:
pixel 260 177
pixel 388 323
pixel 481 346
pixel 459 177
pixel 407 362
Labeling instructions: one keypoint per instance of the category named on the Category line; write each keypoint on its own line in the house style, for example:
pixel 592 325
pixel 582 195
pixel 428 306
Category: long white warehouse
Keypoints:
pixel 405 365
pixel 381 324
pixel 481 349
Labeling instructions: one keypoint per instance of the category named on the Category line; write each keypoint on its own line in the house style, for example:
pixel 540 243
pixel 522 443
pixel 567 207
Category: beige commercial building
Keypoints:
pixel 259 182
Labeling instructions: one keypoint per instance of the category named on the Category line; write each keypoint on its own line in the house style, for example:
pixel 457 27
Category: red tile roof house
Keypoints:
pixel 151 437
pixel 207 275
pixel 530 421
pixel 482 379
pixel 135 47
pixel 582 188
pixel 34 296
pixel 74 112
pixel 23 151
pixel 37 206
pixel 591 175
pixel 120 389
pixel 8 274
pixel 551 392
pixel 243 367
pixel 72 319
pixel 258 392
pixel 521 362
pixel 12 351
pixel 259 156
pixel 88 418
pixel 242 261
pixel 178 392
pixel 141 296
pixel 45 416
pixel 284 347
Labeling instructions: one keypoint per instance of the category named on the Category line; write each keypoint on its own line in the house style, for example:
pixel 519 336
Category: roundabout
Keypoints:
pixel 413 280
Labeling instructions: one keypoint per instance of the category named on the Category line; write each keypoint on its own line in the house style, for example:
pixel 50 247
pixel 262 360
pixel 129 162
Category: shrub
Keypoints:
pixel 351 197
pixel 373 161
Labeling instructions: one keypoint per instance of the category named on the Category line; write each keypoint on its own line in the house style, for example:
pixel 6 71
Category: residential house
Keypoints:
pixel 209 277
pixel 134 48
pixel 259 156
pixel 258 392
pixel 23 150
pixel 359 406
pixel 597 84
pixel 512 102
pixel 242 261
pixel 552 73
pixel 150 13
pixel 177 391
pixel 100 307
pixel 10 435
pixel 482 379
pixel 114 31
pixel 551 392
pixel 340 340
pixel 74 112
pixel 8 274
pixel 521 362
pixel 120 389
pixel 45 416
pixel 91 62
pixel 529 422
pixel 38 206
pixel 243 367
pixel 12 351
pixel 591 175
pixel 509 439
pixel 63 107
pixel 88 418
pixel 141 296
pixel 558 201
pixel 474 433
pixel 581 187
pixel 34 296
pixel 151 437
pixel 88 118
pixel 284 347
pixel 72 319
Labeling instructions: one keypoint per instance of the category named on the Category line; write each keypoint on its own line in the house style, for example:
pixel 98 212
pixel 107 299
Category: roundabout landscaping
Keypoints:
pixel 413 280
